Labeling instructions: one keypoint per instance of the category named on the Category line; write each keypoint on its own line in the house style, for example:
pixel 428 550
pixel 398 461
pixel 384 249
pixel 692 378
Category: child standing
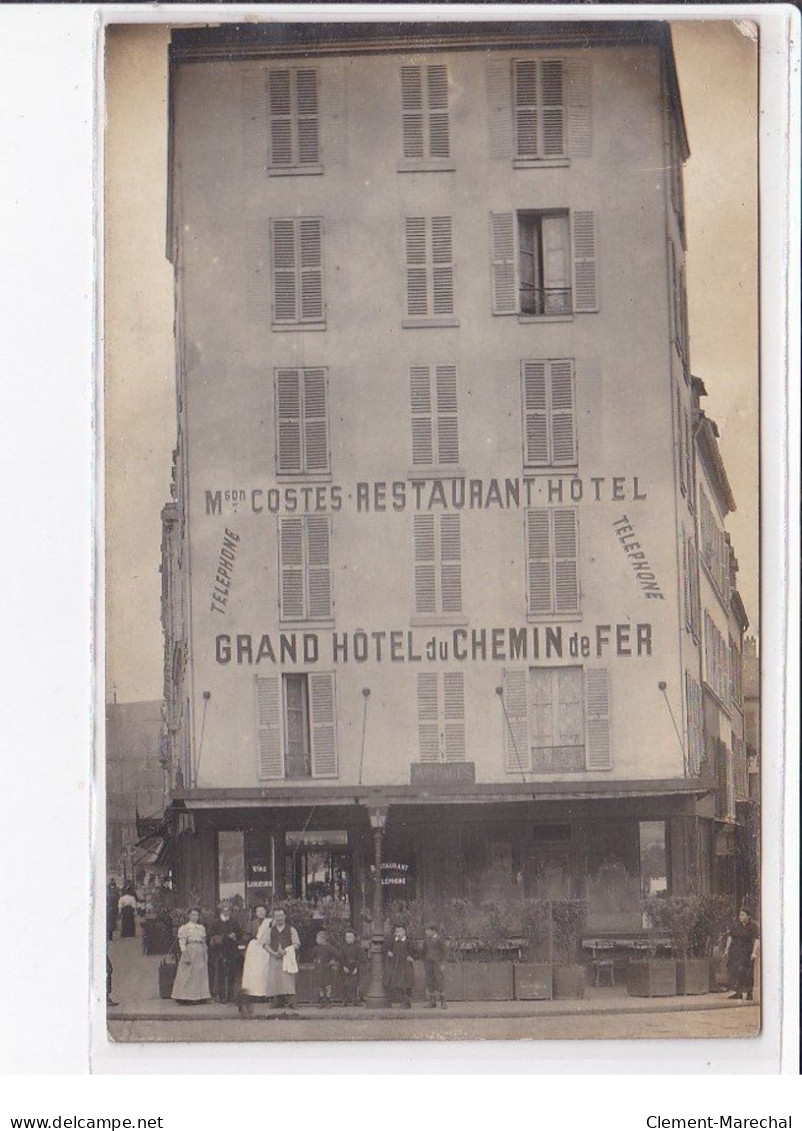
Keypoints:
pixel 351 961
pixel 400 971
pixel 434 955
pixel 325 961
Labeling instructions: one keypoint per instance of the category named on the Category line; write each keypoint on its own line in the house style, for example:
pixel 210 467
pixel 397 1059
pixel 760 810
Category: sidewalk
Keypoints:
pixel 135 987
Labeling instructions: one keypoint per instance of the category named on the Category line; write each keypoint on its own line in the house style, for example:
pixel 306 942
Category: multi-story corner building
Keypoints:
pixel 426 563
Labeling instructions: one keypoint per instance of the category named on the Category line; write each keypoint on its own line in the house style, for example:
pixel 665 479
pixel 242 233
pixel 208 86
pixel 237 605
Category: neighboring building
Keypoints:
pixel 751 700
pixel 431 562
pixel 135 782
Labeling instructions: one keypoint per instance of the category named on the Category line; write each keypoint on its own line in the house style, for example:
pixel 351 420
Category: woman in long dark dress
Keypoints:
pixel 399 971
pixel 127 907
pixel 741 951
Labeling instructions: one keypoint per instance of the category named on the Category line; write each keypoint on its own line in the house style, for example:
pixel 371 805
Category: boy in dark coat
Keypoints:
pixel 325 960
pixel 434 955
pixel 351 963
pixel 400 972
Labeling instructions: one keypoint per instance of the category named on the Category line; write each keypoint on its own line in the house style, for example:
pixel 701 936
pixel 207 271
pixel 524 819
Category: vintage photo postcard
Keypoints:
pixel 431 392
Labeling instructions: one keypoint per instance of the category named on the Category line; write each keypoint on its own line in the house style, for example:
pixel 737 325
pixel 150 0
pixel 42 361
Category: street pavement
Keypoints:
pixel 604 1013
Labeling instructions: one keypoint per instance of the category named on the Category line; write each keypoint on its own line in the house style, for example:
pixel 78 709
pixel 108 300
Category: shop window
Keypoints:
pixel 613 878
pixel 543 263
pixel 317 866
pixel 653 858
pixel 259 868
pixel 231 865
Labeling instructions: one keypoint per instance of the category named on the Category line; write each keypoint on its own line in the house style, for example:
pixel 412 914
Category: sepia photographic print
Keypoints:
pixel 430 422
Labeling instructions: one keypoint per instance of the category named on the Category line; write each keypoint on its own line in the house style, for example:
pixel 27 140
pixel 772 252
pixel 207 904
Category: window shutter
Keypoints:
pixel 319 566
pixel 288 418
pixel 566 574
pixel 424 546
pixel 516 738
pixel 437 89
pixel 417 288
pixel 291 567
pixel 442 266
pixel 499 108
pixel 450 563
pixel 421 404
pixel 569 699
pixel 542 703
pixel 597 700
pixel 536 433
pixel 306 101
pixel 672 306
pixel 502 253
pixel 681 460
pixel 580 111
pixel 562 412
pixel 311 273
pixel 454 716
pixel 316 420
pixel 686 580
pixel 526 100
pixel 585 286
pixel 268 699
pixel 254 120
pixel 285 306
pixel 412 111
pixel 280 89
pixel 447 425
pixel 428 717
pixel 686 420
pixel 690 714
pixel 683 299
pixel 552 108
pixel 322 728
pixel 539 560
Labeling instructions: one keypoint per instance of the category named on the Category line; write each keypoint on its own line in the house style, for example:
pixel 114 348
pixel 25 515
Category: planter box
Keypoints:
pixel 568 982
pixel 479 981
pixel 656 977
pixel 533 981
pixel 454 981
pixel 693 976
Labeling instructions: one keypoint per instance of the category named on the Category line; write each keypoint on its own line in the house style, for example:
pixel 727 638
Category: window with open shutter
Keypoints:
pixel 556 719
pixel 322 726
pixel 548 400
pixel 302 421
pixel 552 560
pixel 268 701
pixel 424 112
pixel 438 563
pixel 543 264
pixel 597 701
pixel 429 266
pixel 298 272
pixel 441 716
pixel 433 400
pixel 305 567
pixel 293 116
pixel 515 722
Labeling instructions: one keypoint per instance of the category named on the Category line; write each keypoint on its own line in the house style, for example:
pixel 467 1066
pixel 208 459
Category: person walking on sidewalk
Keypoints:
pixel 400 971
pixel 741 951
pixel 191 984
pixel 282 950
pixel 127 909
pixel 434 956
pixel 254 972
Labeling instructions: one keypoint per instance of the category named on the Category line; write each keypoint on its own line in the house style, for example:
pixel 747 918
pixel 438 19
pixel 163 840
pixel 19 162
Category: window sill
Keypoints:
pixel 426 472
pixel 553 618
pixel 525 318
pixel 297 327
pixel 307 625
pixel 294 170
pixel 540 162
pixel 535 469
pixel 428 323
pixel 426 165
pixel 303 477
pixel 438 620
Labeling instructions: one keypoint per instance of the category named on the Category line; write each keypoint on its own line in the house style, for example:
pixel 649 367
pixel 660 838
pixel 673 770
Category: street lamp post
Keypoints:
pixel 376 995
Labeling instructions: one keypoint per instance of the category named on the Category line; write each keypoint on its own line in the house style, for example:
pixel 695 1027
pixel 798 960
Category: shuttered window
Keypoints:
pixel 539 97
pixel 433 400
pixel 552 545
pixel 549 412
pixel 293 116
pixel 296 726
pixel 429 266
pixel 424 112
pixel 297 248
pixel 543 263
pixel 682 461
pixel 694 714
pixel 305 567
pixel 556 720
pixel 717 661
pixel 441 716
pixel 715 548
pixel 302 421
pixel 693 584
pixel 438 563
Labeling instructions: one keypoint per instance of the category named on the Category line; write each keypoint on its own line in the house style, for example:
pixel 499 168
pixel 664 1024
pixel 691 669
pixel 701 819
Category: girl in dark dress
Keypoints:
pixel 400 971
pixel 741 952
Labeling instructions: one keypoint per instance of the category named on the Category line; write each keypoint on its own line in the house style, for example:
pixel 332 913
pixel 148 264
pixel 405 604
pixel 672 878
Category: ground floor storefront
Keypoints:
pixel 609 851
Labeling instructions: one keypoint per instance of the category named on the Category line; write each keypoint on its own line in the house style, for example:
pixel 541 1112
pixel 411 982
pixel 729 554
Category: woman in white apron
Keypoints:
pixel 254 971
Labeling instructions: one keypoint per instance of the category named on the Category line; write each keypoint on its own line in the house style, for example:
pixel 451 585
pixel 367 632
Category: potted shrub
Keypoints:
pixel 653 976
pixel 567 922
pixel 534 975
pixel 482 970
